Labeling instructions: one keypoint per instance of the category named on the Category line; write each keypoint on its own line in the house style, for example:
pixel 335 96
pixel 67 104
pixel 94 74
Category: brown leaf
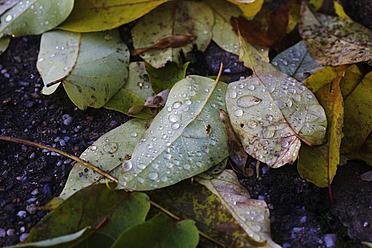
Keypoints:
pixel 157 101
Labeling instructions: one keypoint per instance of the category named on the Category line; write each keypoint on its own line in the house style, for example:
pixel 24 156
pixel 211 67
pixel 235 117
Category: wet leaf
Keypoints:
pixel 251 214
pixel 58 54
pixel 358 116
pixel 7 4
pixel 194 201
pixel 101 69
pixel 91 16
pixel 62 241
pixel 4 43
pixel 182 18
pixel 248 7
pixel 334 40
pixel 89 207
pixel 179 144
pixel 165 77
pixel 271 112
pixel 162 232
pixel 319 164
pixel 236 150
pixel 108 153
pixel 124 100
pixel 138 81
pixel 34 17
pixel 296 62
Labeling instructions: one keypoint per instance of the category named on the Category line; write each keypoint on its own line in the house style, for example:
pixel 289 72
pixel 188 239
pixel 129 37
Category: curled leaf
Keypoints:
pixel 157 101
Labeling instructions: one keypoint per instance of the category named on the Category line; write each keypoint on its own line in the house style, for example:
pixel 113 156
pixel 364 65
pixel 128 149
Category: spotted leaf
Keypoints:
pixel 272 112
pixel 185 138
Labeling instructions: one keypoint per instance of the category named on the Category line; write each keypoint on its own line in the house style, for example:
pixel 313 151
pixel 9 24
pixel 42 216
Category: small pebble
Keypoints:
pixel 261 197
pixel 10 232
pixel 23 236
pixel 2 233
pixel 67 161
pixel 62 142
pixel 22 229
pixel 22 214
pixel 35 192
pixel 47 190
pixel 303 219
pixel 330 239
pixel 31 208
pixel 67 119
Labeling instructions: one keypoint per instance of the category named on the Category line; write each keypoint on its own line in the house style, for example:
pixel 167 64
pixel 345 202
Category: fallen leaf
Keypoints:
pixel 364 153
pixel 108 153
pixel 101 69
pixel 293 16
pixel 157 101
pixel 91 16
pixel 248 7
pixel 34 17
pixel 58 54
pixel 138 81
pixel 160 231
pixel 296 62
pixel 334 40
pixel 319 164
pixel 165 77
pixel 358 116
pixel 182 18
pixel 271 112
pixel 236 150
pixel 177 145
pixel 339 10
pixel 4 43
pixel 7 4
pixel 88 207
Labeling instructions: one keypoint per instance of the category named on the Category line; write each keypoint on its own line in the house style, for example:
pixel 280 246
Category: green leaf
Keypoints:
pixel 113 211
pixel 185 138
pixel 190 200
pixel 108 152
pixel 181 18
pixel 101 69
pixel 160 232
pixel 319 164
pixel 7 4
pixel 58 54
pixel 364 153
pixel 34 17
pixel 124 100
pixel 296 62
pixel 334 40
pixel 61 241
pixel 251 214
pixel 4 43
pixel 164 78
pixel 91 16
pixel 271 112
pixel 138 81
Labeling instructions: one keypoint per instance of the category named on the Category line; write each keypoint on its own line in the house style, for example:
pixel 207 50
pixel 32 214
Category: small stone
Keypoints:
pixel 22 214
pixel 47 190
pixel 303 219
pixel 10 232
pixel 330 239
pixel 31 200
pixel 23 236
pixel 62 142
pixel 31 208
pixel 2 233
pixel 67 119
pixel 35 192
pixel 22 229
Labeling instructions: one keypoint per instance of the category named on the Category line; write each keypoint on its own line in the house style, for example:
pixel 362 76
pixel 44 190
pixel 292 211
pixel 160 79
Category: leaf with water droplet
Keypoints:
pixel 182 18
pixel 88 207
pixel 251 214
pixel 108 153
pixel 165 77
pixel 157 101
pixel 91 16
pixel 272 112
pixel 319 164
pixel 4 43
pixel 101 69
pixel 7 4
pixel 34 17
pixel 160 231
pixel 296 62
pixel 185 138
pixel 334 40
pixel 58 54
pixel 249 8
pixel 138 81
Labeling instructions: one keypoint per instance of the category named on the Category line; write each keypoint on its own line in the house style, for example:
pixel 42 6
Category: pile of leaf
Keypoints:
pixel 188 127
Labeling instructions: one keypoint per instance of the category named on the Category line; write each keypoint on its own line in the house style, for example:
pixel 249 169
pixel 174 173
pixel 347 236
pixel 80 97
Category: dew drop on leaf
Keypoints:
pixel 173 118
pixel 238 112
pixel 126 165
pixel 153 175
pixel 110 147
pixel 248 101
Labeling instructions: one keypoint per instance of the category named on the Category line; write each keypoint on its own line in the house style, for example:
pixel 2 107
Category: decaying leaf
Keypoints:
pixel 108 153
pixel 34 16
pixel 252 215
pixel 248 7
pixel 58 54
pixel 157 101
pixel 319 164
pixel 236 150
pixel 358 116
pixel 91 16
pixel 296 62
pixel 271 112
pixel 182 18
pixel 185 138
pixel 334 40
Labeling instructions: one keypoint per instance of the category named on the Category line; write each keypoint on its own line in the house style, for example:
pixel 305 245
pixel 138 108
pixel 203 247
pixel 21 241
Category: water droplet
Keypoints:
pixel 248 101
pixel 126 165
pixel 186 166
pixel 141 166
pixel 40 60
pixel 251 87
pixel 238 112
pixel 177 104
pixel 252 124
pixel 321 128
pixel 301 87
pixel 289 103
pixel 155 166
pixel 233 94
pixel 255 228
pixel 206 90
pixel 175 126
pixel 259 217
pixel 153 175
pixel 269 117
pixel 205 149
pixel 269 133
pixel 94 148
pixel 140 180
pixel 199 164
pixel 309 96
pixel 292 91
pixel 168 156
pixel 280 104
pixel 110 147
pixel 285 143
pixel 164 179
pixel 173 118
pixel 188 102
pixel 297 98
pixel 8 18
pixel 192 93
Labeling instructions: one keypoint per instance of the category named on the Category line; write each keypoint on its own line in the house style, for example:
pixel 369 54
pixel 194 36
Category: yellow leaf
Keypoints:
pixel 248 7
pixel 294 16
pixel 364 153
pixel 91 16
pixel 339 9
pixel 319 164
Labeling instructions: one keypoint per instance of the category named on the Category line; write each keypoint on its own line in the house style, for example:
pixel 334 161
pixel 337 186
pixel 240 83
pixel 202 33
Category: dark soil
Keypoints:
pixel 301 213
